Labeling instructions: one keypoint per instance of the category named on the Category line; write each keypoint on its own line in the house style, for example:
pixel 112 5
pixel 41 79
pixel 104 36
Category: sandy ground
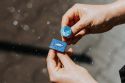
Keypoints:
pixel 28 26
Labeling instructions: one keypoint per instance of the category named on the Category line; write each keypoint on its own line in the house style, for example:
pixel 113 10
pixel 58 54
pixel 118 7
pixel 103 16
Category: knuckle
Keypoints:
pixel 53 78
pixel 47 59
pixel 80 25
pixel 85 70
pixel 78 28
pixel 76 5
pixel 63 17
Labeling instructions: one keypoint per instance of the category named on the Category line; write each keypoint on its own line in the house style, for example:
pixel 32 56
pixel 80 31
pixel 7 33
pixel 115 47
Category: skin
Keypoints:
pixel 90 19
pixel 64 70
pixel 83 19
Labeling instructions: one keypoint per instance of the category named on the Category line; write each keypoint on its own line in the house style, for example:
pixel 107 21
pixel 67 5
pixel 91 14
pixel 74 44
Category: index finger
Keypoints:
pixel 51 63
pixel 67 16
pixel 65 59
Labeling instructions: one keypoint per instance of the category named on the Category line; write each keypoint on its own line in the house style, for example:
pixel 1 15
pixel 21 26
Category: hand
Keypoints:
pixel 87 19
pixel 64 70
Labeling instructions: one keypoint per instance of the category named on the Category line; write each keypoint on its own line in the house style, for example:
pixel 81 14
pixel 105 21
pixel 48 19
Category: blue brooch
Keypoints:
pixel 66 31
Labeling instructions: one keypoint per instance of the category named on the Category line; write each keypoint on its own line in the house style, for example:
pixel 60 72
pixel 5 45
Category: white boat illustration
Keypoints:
pixel 58 44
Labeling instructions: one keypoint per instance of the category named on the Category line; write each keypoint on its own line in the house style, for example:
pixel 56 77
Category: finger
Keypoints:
pixel 64 39
pixel 59 64
pixel 51 63
pixel 81 33
pixel 80 25
pixel 65 60
pixel 78 36
pixel 68 16
pixel 69 52
pixel 77 30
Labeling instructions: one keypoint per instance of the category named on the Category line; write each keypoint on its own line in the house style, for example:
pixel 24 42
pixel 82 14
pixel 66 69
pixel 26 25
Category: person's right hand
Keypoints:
pixel 86 19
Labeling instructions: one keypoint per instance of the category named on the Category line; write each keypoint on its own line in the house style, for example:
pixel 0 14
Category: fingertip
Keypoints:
pixel 70 50
pixel 60 53
pixel 63 39
pixel 67 40
pixel 67 16
pixel 51 55
pixel 80 25
pixel 51 52
pixel 78 36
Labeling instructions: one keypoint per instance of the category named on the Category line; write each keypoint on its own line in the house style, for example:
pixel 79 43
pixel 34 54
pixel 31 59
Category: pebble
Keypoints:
pixel 44 70
pixel 26 27
pixel 16 55
pixel 33 30
pixel 90 49
pixel 29 5
pixel 48 22
pixel 38 37
pixel 15 22
pixel 12 9
pixel 4 82
pixel 18 11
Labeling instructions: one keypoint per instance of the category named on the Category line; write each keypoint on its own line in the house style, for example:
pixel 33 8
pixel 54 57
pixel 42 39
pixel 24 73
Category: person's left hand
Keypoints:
pixel 63 70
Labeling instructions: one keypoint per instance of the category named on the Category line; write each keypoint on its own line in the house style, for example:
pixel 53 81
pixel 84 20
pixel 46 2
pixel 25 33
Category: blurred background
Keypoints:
pixel 26 30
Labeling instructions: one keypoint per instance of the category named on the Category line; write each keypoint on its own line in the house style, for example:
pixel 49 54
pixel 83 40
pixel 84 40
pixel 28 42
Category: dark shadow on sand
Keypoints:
pixel 38 51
